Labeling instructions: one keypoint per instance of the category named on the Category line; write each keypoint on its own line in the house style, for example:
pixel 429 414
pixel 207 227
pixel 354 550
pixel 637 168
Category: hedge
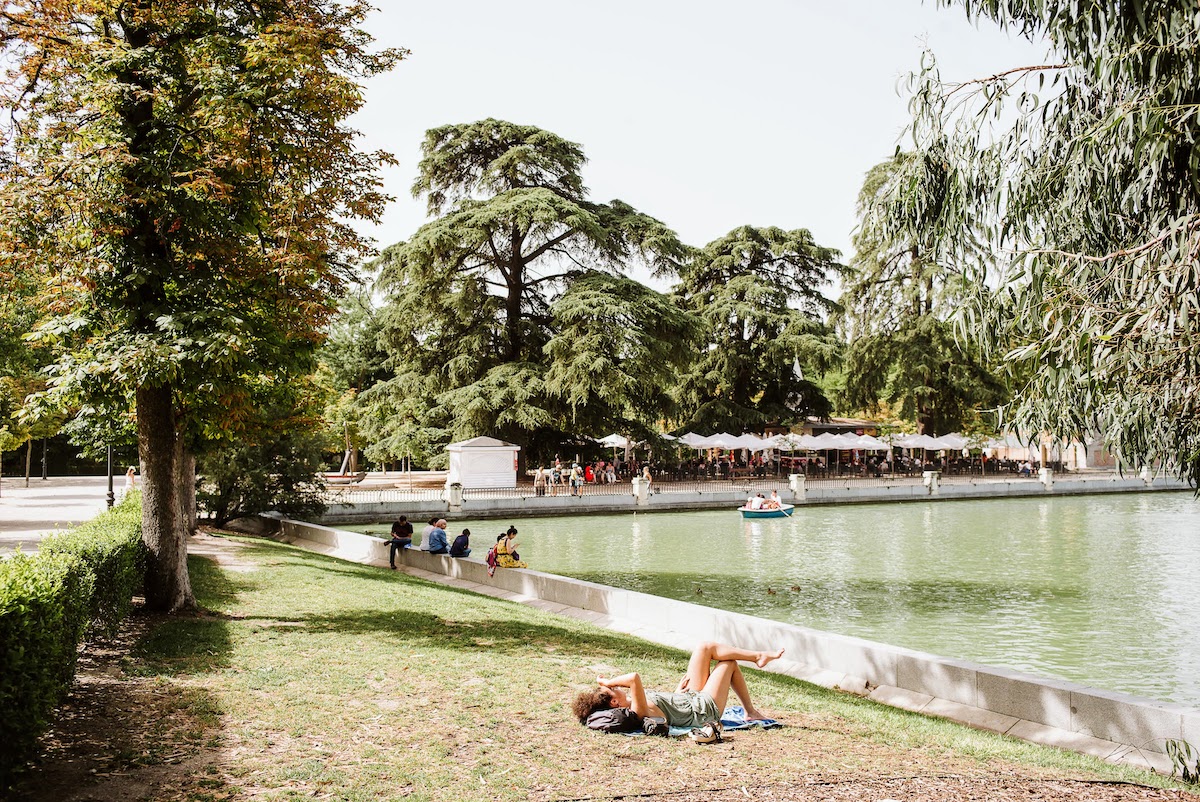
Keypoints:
pixel 78 583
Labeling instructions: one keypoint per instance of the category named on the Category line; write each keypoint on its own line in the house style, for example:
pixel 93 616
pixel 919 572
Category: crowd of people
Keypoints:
pixel 561 479
pixel 435 540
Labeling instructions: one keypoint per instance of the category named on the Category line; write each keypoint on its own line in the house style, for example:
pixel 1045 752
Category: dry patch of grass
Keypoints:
pixel 311 678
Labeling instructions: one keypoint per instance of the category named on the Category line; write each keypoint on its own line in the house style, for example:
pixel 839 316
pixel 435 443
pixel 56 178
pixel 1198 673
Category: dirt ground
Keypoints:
pixel 121 737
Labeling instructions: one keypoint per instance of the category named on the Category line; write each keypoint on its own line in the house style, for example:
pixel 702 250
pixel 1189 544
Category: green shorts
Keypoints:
pixel 686 708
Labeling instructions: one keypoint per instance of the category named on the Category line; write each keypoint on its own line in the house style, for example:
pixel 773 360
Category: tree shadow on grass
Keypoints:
pixel 274 554
pixel 198 643
pixel 499 635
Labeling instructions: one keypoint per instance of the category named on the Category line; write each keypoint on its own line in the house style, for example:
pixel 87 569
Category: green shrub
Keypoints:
pixel 78 582
pixel 111 548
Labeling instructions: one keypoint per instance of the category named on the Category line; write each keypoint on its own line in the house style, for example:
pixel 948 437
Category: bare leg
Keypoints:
pixel 738 683
pixel 703 655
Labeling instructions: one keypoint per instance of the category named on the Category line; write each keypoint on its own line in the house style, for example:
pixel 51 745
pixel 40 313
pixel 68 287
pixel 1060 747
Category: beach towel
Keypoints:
pixel 733 718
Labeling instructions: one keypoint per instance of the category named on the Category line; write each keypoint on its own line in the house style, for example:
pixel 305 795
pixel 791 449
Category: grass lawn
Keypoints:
pixel 308 677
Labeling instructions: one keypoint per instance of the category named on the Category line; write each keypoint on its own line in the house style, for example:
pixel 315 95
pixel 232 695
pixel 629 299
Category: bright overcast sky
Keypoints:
pixel 707 115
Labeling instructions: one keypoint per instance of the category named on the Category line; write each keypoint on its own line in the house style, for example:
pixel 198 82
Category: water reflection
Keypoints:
pixel 1097 589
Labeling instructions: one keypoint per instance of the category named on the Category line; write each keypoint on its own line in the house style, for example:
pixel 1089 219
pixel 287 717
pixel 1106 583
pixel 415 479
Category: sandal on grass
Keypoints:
pixel 707 733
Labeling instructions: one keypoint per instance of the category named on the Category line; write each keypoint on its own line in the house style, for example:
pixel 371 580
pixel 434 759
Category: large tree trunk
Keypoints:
pixel 168 587
pixel 186 466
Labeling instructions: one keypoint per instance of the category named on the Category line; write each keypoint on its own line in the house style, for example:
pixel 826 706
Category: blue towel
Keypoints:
pixel 734 718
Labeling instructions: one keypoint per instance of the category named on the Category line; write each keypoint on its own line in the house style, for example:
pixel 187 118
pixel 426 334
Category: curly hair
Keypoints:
pixel 590 701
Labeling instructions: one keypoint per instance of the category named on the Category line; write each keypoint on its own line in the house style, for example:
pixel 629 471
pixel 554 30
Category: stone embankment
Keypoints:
pixel 355 504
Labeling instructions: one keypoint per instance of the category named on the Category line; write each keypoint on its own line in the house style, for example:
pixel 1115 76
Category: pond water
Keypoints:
pixel 1102 590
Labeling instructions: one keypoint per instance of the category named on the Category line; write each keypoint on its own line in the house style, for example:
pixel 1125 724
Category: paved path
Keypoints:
pixel 48 505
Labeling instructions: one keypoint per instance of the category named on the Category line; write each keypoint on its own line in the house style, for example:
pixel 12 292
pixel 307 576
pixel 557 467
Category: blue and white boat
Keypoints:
pixel 782 511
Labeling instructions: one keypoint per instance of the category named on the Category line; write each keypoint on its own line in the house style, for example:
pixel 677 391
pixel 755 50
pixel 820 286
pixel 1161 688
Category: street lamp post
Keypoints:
pixel 109 499
pixel 44 476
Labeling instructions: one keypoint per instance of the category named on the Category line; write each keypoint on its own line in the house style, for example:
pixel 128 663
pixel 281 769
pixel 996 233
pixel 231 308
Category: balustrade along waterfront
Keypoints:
pixel 1102 590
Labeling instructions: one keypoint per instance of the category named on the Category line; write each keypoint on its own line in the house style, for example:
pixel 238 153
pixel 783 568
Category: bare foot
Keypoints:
pixel 752 714
pixel 766 657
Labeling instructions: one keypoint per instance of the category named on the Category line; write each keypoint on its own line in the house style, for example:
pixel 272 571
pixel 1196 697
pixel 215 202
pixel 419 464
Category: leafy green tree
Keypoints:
pixel 1085 171
pixel 274 464
pixel 615 353
pixel 759 295
pixel 184 173
pixel 902 291
pixel 475 297
pixel 350 361
pixel 21 366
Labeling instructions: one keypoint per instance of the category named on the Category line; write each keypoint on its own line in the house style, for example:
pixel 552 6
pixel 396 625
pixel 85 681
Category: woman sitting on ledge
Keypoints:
pixel 699 697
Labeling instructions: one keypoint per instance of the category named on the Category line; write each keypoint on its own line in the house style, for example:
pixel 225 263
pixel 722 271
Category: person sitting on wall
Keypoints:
pixel 506 550
pixel 402 532
pixel 462 545
pixel 437 538
pixel 425 533
pixel 699 697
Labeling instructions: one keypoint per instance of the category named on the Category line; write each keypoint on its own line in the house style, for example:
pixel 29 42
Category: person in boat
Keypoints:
pixel 755 502
pixel 699 697
pixel 774 501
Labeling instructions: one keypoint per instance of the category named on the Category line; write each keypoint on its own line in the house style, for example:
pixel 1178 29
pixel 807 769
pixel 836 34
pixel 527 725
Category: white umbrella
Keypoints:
pixel 614 441
pixel 950 442
pixel 692 439
pixel 868 443
pixel 916 441
pixel 752 442
pixel 790 442
pixel 722 440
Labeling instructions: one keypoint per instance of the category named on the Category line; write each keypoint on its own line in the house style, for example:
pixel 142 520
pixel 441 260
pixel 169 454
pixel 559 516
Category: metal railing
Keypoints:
pixel 742 485
pixel 550 491
pixel 363 495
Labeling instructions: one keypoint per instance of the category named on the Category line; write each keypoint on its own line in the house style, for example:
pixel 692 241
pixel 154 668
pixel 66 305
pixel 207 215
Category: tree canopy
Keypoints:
pixel 903 289
pixel 759 295
pixel 1082 177
pixel 183 174
pixel 483 325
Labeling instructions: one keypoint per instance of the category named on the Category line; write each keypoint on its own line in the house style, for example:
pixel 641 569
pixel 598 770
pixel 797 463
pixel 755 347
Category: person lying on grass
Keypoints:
pixel 699 697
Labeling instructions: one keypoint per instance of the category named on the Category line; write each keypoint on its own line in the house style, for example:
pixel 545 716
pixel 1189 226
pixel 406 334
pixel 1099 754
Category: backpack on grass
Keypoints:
pixel 615 719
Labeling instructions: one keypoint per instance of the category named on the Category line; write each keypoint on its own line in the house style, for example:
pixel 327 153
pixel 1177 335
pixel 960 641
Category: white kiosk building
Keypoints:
pixel 482 462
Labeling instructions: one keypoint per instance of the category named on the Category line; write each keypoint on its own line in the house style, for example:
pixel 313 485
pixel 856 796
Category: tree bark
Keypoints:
pixel 168 587
pixel 186 466
pixel 28 458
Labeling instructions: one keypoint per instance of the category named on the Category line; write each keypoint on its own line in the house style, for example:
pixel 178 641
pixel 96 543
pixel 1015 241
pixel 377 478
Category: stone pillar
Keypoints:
pixel 1046 477
pixel 796 483
pixel 454 496
pixel 933 480
pixel 641 491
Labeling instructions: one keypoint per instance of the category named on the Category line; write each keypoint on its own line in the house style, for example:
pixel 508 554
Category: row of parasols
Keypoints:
pixel 804 442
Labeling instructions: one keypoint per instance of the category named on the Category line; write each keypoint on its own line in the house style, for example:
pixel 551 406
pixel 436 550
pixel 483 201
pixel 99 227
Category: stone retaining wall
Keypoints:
pixel 823 492
pixel 1112 726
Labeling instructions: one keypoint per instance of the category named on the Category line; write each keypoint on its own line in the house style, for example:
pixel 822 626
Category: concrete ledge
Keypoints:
pixel 825 492
pixel 1110 725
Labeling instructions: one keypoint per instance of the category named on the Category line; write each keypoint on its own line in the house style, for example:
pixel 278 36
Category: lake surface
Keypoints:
pixel 1102 590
